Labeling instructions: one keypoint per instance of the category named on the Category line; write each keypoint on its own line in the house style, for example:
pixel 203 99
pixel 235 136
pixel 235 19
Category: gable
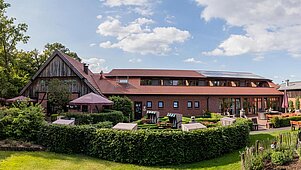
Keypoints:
pixel 57 68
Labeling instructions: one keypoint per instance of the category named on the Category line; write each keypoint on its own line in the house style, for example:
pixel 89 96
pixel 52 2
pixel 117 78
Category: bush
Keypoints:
pixel 66 139
pixel 148 147
pixel 257 163
pixel 278 158
pixel 123 104
pixel 105 124
pixel 94 118
pixel 291 106
pixel 298 103
pixel 21 123
pixel 53 117
pixel 284 122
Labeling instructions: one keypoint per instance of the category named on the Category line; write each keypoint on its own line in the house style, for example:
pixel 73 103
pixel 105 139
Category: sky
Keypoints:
pixel 258 36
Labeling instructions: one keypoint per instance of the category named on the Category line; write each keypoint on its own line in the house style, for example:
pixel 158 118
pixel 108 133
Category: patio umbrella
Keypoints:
pixel 20 98
pixel 285 101
pixel 91 99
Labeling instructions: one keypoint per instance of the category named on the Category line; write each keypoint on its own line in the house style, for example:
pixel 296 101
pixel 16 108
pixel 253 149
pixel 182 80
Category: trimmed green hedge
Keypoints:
pixel 94 118
pixel 284 122
pixel 147 147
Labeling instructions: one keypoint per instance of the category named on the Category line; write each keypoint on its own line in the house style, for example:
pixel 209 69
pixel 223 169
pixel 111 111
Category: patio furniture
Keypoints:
pixel 255 123
pixel 227 121
pixel 295 124
pixel 175 119
pixel 192 126
pixel 126 126
pixel 262 115
pixel 153 116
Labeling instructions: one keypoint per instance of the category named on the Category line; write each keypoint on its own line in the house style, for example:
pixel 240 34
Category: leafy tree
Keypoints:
pixel 10 35
pixel 58 95
pixel 123 104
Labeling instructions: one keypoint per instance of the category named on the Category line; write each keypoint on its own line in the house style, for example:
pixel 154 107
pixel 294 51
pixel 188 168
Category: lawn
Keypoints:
pixel 48 160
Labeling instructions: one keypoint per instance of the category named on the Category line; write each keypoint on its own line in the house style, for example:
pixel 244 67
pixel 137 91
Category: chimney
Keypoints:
pixel 86 68
pixel 101 75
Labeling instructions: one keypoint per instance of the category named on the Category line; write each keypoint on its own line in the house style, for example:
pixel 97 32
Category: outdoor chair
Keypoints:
pixel 255 124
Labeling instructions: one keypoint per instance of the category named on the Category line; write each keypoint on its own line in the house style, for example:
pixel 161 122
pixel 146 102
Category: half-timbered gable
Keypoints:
pixel 62 67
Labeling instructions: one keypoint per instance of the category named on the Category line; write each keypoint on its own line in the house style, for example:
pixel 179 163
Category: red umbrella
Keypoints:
pixel 20 98
pixel 285 101
pixel 92 98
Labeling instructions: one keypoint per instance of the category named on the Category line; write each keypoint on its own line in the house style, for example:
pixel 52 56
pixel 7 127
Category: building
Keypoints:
pixel 190 92
pixel 293 90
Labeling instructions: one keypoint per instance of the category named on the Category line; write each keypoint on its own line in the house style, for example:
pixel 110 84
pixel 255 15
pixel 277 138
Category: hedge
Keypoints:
pixel 146 147
pixel 94 118
pixel 284 122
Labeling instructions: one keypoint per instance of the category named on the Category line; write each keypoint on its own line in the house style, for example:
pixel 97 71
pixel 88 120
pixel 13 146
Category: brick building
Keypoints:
pixel 190 92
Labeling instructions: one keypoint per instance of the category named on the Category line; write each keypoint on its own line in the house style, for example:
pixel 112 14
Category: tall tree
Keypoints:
pixel 10 35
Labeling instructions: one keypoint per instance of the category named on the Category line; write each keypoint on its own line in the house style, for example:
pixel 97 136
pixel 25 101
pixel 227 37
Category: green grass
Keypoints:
pixel 49 161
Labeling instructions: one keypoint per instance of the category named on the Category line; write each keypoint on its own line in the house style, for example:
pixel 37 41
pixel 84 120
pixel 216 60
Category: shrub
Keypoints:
pixel 257 163
pixel 276 121
pixel 290 106
pixel 283 122
pixel 21 123
pixel 148 147
pixel 105 124
pixel 94 118
pixel 123 104
pixel 66 139
pixel 278 158
pixel 53 117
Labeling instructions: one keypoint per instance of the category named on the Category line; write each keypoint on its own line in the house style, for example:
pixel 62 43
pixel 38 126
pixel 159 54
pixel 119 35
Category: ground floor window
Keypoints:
pixel 160 104
pixel 149 104
pixel 175 104
pixel 189 104
pixel 196 104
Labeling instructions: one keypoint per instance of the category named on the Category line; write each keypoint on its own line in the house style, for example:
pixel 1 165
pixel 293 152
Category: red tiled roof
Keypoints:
pixel 153 73
pixel 109 86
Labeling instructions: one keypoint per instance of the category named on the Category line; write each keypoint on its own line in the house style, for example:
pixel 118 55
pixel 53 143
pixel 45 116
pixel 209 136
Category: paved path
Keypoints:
pixel 263 130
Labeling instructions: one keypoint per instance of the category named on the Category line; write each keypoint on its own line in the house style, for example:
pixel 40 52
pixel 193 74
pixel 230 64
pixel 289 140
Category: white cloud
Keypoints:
pixel 258 58
pixel 269 25
pixel 292 76
pixel 96 64
pixel 138 37
pixel 142 7
pixel 193 60
pixel 99 16
pixel 170 19
pixel 135 60
pixel 92 45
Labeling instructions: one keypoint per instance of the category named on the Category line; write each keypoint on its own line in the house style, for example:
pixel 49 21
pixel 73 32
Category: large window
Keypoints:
pixel 189 104
pixel 150 82
pixel 149 104
pixel 160 104
pixel 175 104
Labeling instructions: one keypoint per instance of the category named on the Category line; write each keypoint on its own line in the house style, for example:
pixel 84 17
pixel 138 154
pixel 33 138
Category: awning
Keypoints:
pixel 91 98
pixel 171 115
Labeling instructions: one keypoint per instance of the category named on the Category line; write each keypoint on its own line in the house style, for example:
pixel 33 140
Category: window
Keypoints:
pixel 160 104
pixel 175 104
pixel 149 104
pixel 196 104
pixel 84 108
pixel 189 104
pixel 201 83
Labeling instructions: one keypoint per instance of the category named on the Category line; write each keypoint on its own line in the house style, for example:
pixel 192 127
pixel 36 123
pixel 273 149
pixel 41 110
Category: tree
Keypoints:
pixel 290 106
pixel 58 95
pixel 10 35
pixel 123 104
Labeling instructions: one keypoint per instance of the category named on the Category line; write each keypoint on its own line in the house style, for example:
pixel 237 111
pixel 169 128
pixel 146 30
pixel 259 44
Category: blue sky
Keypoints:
pixel 260 36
